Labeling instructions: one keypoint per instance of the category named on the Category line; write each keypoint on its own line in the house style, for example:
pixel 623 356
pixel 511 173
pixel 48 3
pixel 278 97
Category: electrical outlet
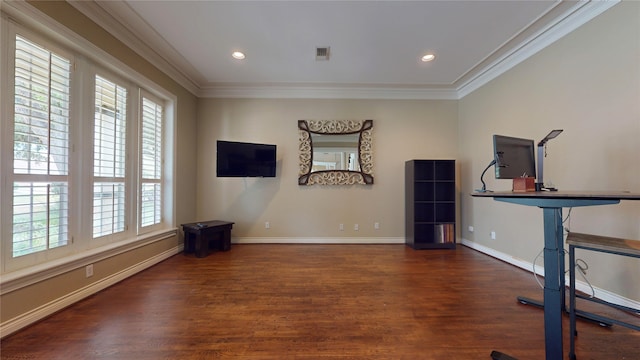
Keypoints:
pixel 356 227
pixel 341 227
pixel 493 235
pixel 470 228
pixel 267 225
pixel 89 270
pixel 376 225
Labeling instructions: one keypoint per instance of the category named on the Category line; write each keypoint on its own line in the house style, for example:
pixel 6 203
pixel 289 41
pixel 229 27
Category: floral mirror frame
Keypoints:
pixel 306 174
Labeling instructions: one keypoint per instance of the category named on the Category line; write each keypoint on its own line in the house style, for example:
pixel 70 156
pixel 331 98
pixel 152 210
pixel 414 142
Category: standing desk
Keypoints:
pixel 551 203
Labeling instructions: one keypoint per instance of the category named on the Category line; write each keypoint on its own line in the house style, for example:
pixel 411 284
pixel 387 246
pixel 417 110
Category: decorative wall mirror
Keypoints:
pixel 335 152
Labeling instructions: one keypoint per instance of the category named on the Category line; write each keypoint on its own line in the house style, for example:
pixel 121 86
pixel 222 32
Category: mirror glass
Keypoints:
pixel 335 152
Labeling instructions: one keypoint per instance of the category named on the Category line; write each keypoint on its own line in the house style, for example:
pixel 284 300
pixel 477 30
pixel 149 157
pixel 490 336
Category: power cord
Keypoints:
pixel 535 276
pixel 581 265
pixel 565 230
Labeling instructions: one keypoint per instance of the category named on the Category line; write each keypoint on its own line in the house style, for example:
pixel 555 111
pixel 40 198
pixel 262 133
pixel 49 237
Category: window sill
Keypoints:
pixel 14 280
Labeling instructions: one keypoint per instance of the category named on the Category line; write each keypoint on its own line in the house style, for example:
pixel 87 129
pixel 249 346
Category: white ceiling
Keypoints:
pixel 375 45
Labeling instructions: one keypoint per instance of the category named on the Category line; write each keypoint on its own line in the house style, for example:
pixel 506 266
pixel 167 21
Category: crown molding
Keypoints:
pixel 568 20
pixel 125 25
pixel 321 91
pixel 118 19
pixel 27 15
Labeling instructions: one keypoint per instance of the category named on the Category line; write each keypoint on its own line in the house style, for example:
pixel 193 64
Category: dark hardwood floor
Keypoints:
pixel 314 302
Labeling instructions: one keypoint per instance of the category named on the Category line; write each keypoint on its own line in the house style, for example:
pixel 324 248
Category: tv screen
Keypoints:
pixel 515 157
pixel 239 159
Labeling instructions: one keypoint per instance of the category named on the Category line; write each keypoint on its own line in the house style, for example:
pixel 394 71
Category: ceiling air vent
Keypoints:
pixel 322 53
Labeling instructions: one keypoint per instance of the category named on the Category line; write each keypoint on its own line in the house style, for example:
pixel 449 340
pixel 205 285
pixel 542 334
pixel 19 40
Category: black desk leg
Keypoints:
pixel 586 317
pixel 553 286
pixel 560 246
pixel 553 282
pixel 497 355
pixel 572 305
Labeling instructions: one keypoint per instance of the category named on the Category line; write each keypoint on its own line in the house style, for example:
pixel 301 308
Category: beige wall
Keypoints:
pixel 588 84
pixel 402 130
pixel 27 302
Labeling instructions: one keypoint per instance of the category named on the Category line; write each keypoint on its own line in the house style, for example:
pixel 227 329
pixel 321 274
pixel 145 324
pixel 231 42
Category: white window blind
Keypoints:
pixel 85 166
pixel 40 149
pixel 109 158
pixel 151 163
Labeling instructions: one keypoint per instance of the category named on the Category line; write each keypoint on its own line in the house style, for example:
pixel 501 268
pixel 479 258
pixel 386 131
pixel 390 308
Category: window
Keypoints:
pixel 109 155
pixel 40 149
pixel 87 168
pixel 151 158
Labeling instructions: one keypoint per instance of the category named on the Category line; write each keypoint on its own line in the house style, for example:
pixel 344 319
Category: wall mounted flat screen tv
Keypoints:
pixel 515 157
pixel 240 159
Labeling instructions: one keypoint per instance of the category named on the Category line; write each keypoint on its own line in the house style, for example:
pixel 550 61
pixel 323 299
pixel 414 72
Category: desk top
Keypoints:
pixel 578 195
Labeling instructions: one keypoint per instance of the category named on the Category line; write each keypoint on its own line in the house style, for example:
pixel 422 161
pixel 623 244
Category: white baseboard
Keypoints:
pixel 10 326
pixel 322 240
pixel 504 257
pixel 580 285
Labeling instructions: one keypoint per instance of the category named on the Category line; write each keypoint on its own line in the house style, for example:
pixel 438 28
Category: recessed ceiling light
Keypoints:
pixel 238 55
pixel 428 57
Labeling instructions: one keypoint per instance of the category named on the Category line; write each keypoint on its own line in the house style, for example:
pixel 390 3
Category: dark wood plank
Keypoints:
pixel 605 243
pixel 314 302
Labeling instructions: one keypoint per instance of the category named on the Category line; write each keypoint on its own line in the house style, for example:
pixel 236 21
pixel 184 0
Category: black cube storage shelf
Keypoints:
pixel 430 204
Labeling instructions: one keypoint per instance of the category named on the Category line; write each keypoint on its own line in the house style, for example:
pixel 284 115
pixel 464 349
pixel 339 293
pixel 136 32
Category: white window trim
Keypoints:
pixel 9 32
pixel 14 13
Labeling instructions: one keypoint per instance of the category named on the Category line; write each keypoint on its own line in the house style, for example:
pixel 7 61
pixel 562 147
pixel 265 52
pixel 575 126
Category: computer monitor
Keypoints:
pixel 515 157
